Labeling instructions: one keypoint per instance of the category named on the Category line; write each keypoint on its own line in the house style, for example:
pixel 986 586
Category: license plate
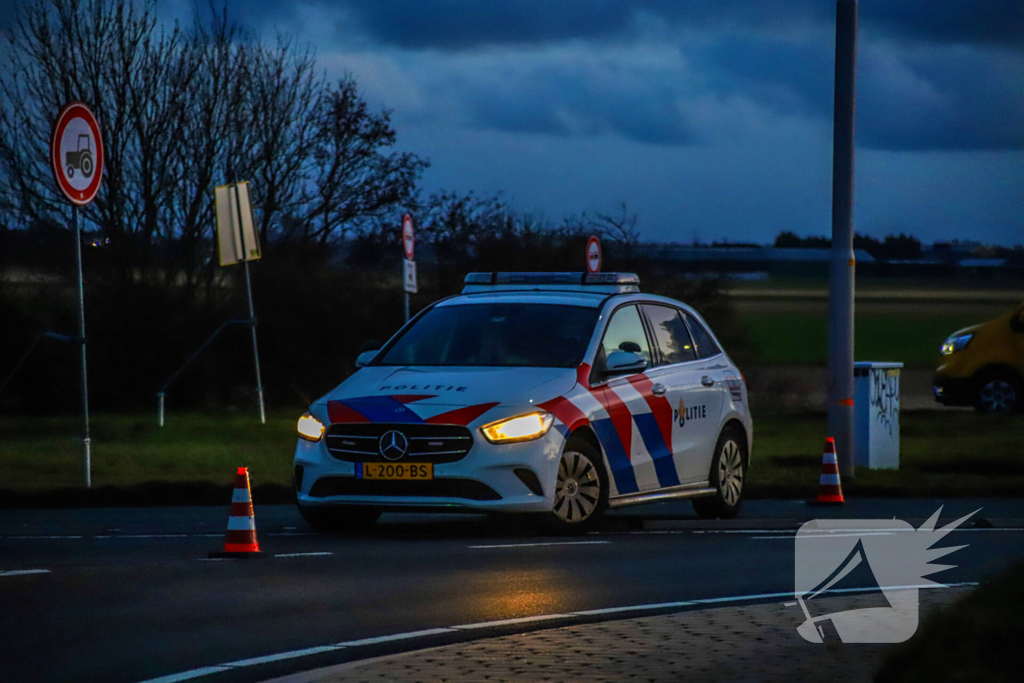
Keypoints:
pixel 390 470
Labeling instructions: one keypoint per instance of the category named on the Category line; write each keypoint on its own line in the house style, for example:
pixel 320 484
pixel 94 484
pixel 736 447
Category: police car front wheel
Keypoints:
pixel 581 491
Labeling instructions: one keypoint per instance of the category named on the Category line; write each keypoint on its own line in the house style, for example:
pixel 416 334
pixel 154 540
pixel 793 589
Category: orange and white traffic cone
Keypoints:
pixel 240 540
pixel 830 491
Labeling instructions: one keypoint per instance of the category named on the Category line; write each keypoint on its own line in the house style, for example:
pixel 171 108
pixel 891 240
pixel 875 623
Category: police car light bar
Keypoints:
pixel 585 282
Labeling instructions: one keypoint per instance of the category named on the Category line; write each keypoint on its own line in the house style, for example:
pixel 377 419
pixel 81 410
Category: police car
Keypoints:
pixel 559 394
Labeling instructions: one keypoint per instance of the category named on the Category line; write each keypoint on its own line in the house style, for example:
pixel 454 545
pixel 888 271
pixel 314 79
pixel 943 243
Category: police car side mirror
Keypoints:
pixel 624 363
pixel 363 359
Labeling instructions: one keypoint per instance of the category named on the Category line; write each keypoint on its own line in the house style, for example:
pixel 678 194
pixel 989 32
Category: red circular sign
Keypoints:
pixel 76 153
pixel 407 239
pixel 593 255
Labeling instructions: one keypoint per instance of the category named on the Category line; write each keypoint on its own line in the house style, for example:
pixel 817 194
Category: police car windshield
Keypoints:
pixel 496 335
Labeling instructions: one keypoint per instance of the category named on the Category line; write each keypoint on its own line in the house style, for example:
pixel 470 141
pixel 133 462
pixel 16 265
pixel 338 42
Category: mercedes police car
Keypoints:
pixel 559 394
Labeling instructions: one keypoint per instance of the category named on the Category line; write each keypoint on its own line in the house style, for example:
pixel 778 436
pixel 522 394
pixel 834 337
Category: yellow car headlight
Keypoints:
pixel 520 428
pixel 310 428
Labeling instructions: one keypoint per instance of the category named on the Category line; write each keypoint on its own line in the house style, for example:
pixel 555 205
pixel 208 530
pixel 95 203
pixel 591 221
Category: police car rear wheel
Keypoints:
pixel 337 518
pixel 727 477
pixel 581 491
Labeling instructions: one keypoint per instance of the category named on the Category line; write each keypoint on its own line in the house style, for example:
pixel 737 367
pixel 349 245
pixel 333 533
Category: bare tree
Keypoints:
pixel 183 110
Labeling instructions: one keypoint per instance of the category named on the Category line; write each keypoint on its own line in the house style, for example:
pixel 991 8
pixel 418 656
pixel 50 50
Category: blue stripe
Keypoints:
pixel 383 409
pixel 622 468
pixel 661 454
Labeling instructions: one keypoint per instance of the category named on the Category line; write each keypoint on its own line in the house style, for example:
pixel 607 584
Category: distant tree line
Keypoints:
pixel 892 247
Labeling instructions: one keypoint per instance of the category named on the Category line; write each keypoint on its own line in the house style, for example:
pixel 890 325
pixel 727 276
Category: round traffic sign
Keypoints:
pixel 593 255
pixel 407 238
pixel 76 153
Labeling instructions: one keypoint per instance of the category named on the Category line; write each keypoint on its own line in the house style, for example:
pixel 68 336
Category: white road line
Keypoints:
pixel 302 554
pixel 537 545
pixel 24 572
pixel 255 661
pixel 189 675
pixel 810 535
pixel 394 637
pixel 242 663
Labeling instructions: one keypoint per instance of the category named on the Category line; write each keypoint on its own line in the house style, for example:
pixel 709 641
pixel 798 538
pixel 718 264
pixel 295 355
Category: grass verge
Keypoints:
pixel 193 458
pixel 962 642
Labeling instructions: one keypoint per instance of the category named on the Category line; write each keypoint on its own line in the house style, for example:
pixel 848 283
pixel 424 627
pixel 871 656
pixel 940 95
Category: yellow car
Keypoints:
pixel 983 366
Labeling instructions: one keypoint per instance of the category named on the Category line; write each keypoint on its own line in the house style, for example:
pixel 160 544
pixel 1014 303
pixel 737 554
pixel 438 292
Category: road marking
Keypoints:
pixel 410 635
pixel 537 545
pixel 24 572
pixel 302 554
pixel 816 535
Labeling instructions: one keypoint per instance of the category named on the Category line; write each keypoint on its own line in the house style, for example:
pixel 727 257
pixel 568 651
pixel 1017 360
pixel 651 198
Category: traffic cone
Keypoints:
pixel 240 540
pixel 830 491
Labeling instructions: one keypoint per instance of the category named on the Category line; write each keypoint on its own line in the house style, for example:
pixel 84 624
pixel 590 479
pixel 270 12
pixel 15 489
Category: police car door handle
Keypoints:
pixel 707 381
pixel 658 389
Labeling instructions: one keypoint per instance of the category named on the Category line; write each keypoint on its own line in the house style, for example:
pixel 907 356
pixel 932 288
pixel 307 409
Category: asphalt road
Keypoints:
pixel 129 594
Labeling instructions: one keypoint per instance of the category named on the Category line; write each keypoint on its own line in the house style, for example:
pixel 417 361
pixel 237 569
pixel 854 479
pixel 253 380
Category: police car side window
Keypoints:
pixel 625 328
pixel 706 346
pixel 670 334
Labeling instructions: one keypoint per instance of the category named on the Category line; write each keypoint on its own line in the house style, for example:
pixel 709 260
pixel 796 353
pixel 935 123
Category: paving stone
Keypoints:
pixel 751 643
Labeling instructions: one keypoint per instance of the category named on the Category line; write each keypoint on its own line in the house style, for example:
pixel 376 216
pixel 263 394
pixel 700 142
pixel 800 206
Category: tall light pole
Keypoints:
pixel 842 266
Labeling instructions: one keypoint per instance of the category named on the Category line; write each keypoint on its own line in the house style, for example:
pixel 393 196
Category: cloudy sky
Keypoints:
pixel 710 118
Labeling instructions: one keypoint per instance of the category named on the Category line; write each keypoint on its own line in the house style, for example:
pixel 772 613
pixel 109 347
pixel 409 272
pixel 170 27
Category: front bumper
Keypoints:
pixel 953 391
pixel 484 480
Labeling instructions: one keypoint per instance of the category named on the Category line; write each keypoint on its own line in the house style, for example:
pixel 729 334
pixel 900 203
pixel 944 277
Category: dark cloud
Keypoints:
pixel 928 98
pixel 464 24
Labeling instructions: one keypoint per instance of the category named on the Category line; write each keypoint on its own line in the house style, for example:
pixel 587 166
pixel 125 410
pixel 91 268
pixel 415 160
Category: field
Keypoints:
pixel 943 453
pixel 794 331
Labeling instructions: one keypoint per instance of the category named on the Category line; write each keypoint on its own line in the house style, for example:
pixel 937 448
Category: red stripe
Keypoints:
pixel 412 398
pixel 583 375
pixel 240 536
pixel 830 445
pixel 461 416
pixel 829 468
pixel 339 412
pixel 566 412
pixel 621 418
pixel 659 405
pixel 829 490
pixel 831 499
pixel 241 510
pixel 241 547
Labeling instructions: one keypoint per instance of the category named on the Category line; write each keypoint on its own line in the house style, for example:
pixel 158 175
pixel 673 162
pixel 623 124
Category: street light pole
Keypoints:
pixel 842 266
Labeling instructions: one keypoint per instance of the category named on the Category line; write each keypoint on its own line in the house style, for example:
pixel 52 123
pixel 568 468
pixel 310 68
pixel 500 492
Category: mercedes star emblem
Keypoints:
pixel 393 445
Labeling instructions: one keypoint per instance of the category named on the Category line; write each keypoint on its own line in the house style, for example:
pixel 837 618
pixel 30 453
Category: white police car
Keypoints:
pixel 554 393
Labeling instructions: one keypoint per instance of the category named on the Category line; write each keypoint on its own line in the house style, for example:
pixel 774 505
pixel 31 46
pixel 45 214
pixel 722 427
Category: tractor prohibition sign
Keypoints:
pixel 76 153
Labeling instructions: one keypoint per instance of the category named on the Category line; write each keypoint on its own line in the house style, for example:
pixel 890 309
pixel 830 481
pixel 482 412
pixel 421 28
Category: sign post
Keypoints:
pixel 409 264
pixel 593 254
pixel 76 158
pixel 237 241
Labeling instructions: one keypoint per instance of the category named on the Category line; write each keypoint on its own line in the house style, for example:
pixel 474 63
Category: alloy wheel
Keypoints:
pixel 578 488
pixel 997 396
pixel 730 472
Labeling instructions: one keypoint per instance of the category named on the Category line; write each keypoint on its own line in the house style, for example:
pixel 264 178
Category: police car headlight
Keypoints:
pixel 310 428
pixel 954 344
pixel 520 428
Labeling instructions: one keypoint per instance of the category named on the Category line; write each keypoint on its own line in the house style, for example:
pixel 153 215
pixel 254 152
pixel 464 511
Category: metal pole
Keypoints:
pixel 842 267
pixel 86 442
pixel 406 300
pixel 160 409
pixel 252 314
pixel 252 311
